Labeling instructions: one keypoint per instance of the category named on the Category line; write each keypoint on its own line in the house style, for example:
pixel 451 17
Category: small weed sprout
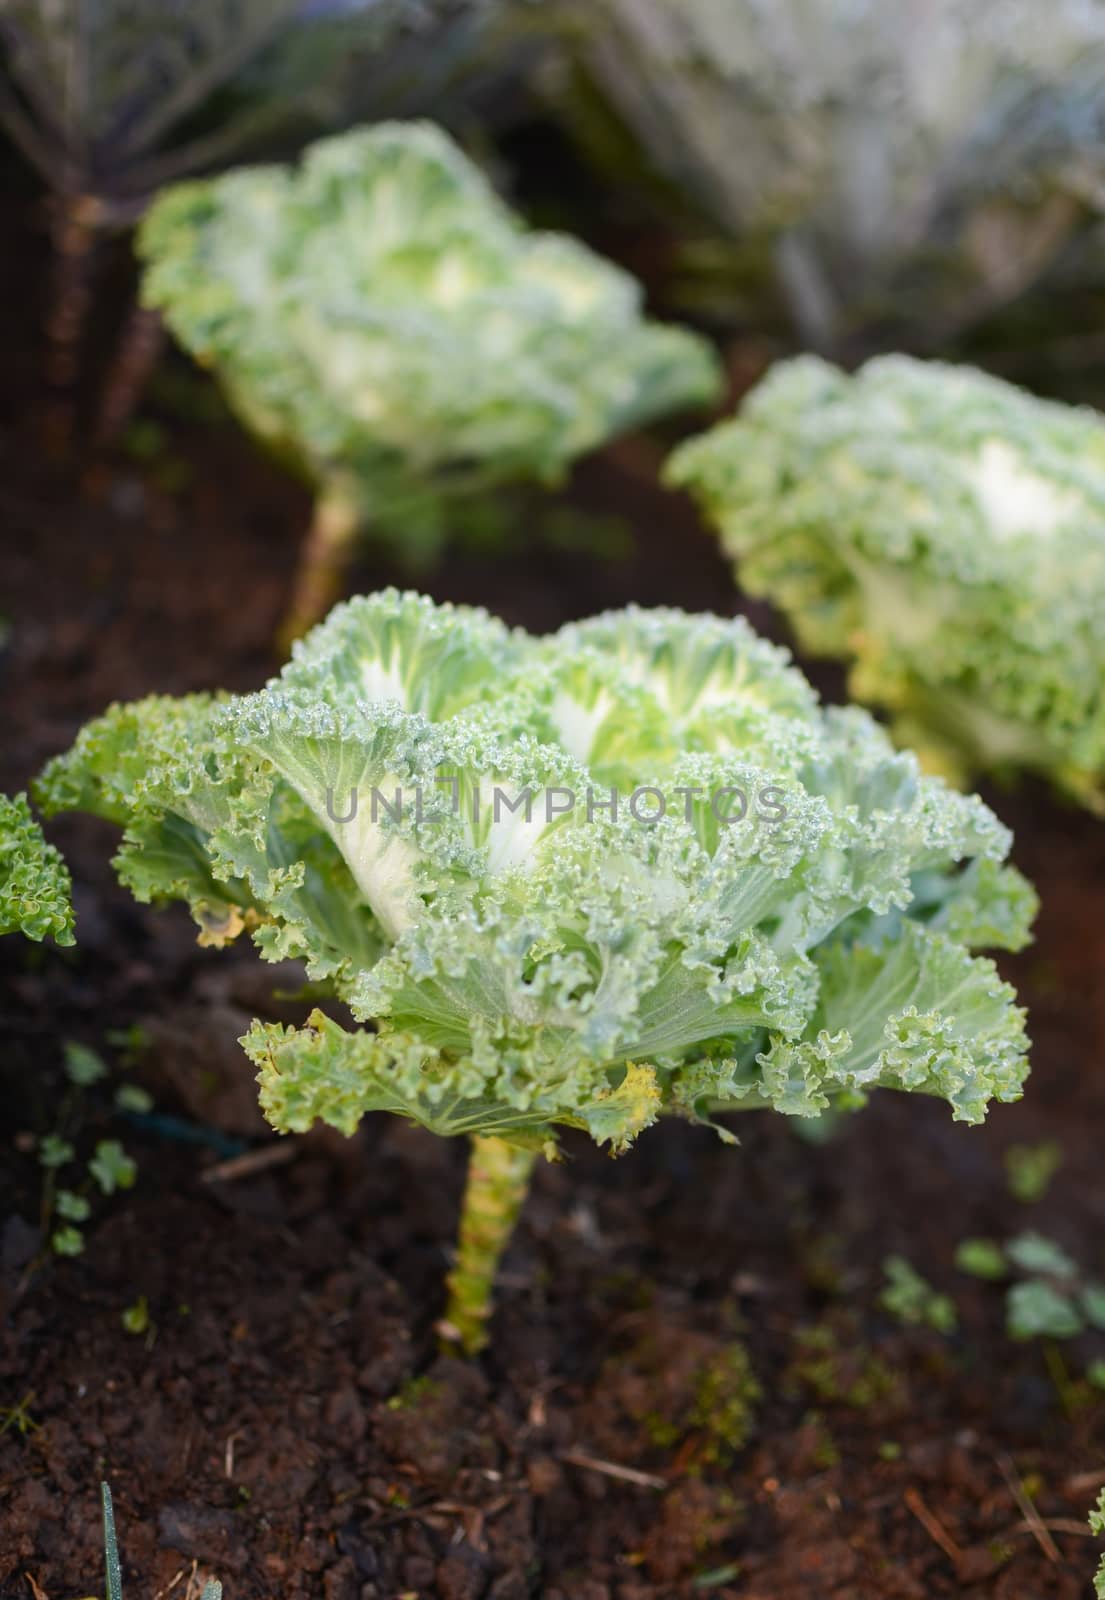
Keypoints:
pixel 1030 1169
pixel 65 1208
pixel 1052 1298
pixel 914 1302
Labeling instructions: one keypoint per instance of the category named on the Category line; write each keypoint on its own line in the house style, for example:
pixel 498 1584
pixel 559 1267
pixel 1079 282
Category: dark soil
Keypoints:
pixel 701 1324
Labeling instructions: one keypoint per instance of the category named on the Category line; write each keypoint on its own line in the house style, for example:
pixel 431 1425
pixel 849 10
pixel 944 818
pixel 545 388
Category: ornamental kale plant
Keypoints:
pixel 880 170
pixel 382 320
pixel 582 881
pixel 34 883
pixel 945 532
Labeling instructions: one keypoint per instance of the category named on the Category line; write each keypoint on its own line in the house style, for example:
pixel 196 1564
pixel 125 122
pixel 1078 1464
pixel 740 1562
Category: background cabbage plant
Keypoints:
pixel 884 172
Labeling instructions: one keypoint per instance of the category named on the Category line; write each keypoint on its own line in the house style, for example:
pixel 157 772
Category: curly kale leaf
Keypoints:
pixel 35 891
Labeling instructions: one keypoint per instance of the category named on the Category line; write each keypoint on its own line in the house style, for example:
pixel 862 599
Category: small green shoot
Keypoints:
pixel 130 1043
pixel 111 1167
pixel 982 1258
pixel 1037 1310
pixel 716 1578
pixel 136 1318
pixel 129 1097
pixel 18 1417
pixel 64 1210
pixel 54 1152
pixel 83 1066
pixel 1053 1298
pixel 913 1301
pixel 1030 1168
pixel 1034 1253
pixel 111 1548
pixel 67 1241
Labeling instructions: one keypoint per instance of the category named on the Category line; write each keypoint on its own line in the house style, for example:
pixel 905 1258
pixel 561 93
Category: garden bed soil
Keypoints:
pixel 691 1389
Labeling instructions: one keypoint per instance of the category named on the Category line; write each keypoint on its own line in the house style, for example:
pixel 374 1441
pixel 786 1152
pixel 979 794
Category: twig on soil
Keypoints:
pixel 933 1526
pixel 193 1588
pixel 1028 1510
pixel 269 1155
pixel 611 1469
pixel 1081 1530
pixel 1083 1481
pixel 427 1510
pixel 35 1587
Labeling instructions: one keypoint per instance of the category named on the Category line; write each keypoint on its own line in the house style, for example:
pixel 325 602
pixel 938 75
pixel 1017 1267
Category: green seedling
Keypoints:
pixel 913 1301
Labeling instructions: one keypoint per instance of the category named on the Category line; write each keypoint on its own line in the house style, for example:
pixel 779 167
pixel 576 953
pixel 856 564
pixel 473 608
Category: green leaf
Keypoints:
pixel 129 1097
pixel 982 1258
pixel 1036 1310
pixel 82 1065
pixel 1097 1515
pixel 35 888
pixel 111 1547
pixel 913 1301
pixel 54 1152
pixel 915 1013
pixel 136 1318
pixel 111 1167
pixel 1032 1252
pixel 73 1206
pixel 67 1241
pixel 1031 1167
pixel 1097 1525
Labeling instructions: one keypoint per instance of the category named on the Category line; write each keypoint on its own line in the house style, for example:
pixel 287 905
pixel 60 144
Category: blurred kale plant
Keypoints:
pixel 383 321
pixel 887 173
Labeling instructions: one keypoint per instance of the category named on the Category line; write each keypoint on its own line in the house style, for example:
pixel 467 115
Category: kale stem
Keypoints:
pixel 322 564
pixel 74 235
pixel 131 368
pixel 498 1178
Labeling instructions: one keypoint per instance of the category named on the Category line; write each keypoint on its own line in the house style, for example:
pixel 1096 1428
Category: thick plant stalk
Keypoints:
pixel 136 356
pixel 73 237
pixel 498 1178
pixel 322 565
